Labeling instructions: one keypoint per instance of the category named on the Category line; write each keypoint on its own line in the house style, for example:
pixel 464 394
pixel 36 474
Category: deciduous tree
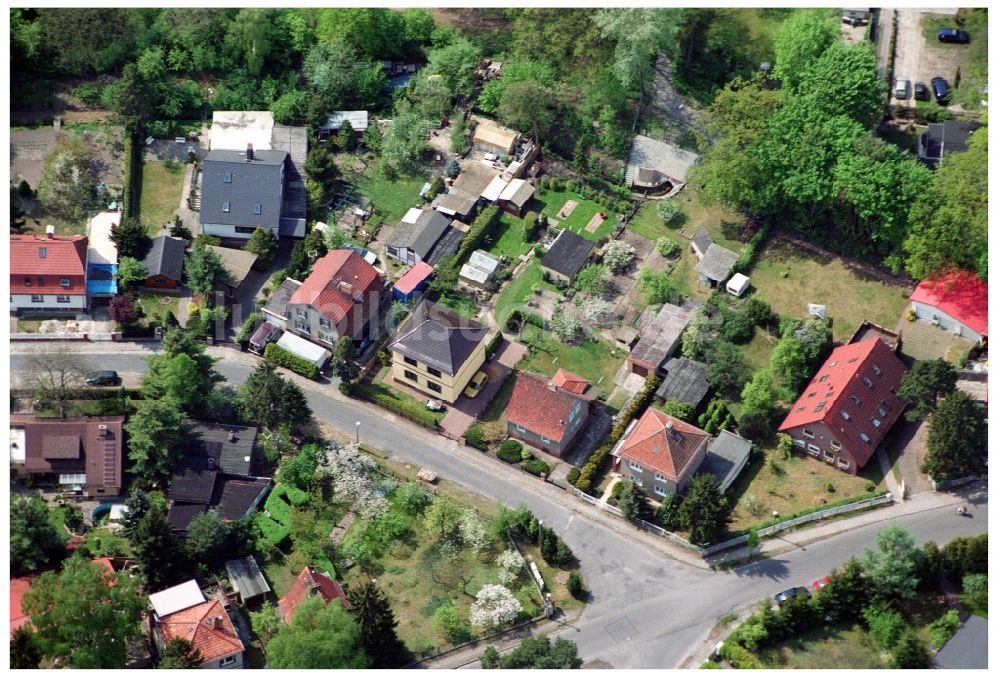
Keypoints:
pixel 957 443
pixel 34 539
pixel 204 268
pixel 155 439
pixel 56 374
pixel 264 244
pixel 495 607
pixel 69 175
pixel 320 636
pixel 892 567
pixel 799 41
pixel 531 107
pixel 536 652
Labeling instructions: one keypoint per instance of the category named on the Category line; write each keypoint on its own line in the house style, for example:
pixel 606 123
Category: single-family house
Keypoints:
pixel 76 455
pixel 410 285
pixel 48 272
pixel 237 265
pixel 957 301
pixel 438 351
pixel 951 136
pixel 165 262
pixel 659 337
pixel 184 612
pixel 342 297
pixel 247 580
pixel 242 191
pixel 652 164
pixel 516 197
pixel 311 583
pixel 481 270
pixel 700 243
pixel 715 267
pixel 544 415
pixel 358 120
pixel 492 138
pixel 428 238
pixel 846 409
pixel 725 458
pixel 232 449
pixel 684 380
pixel 660 453
pixel 566 256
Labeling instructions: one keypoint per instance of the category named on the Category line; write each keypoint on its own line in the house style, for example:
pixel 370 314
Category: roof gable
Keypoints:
pixel 340 282
pixel 438 337
pixel 663 444
pixel 311 582
pixel 570 382
pixel 207 627
pixel 538 405
pixel 717 262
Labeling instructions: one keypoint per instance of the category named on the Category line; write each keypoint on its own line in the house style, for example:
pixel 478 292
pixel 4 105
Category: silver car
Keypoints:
pixel 901 90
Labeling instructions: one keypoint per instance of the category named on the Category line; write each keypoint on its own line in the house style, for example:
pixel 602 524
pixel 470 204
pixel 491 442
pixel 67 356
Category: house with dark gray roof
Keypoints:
pixel 566 256
pixel 951 136
pixel 968 647
pixel 685 381
pixel 232 448
pixel 426 239
pixel 700 243
pixel 726 457
pixel 164 262
pixel 438 351
pixel 243 190
pixel 275 310
pixel 716 265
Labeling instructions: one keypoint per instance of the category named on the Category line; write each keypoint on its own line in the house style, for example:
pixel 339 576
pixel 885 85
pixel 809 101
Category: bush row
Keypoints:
pixel 292 494
pixel 286 359
pixel 484 224
pixel 278 508
pixel 133 168
pixel 599 457
pixel 494 344
pixel 273 533
pixel 417 414
pixel 738 656
pixel 475 438
pixel 752 249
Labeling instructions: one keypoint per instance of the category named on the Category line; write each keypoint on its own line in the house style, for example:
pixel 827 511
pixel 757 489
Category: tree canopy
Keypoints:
pixel 34 539
pixel 957 443
pixel 320 636
pixel 892 567
pixel 270 400
pixel 535 652
pixel 924 383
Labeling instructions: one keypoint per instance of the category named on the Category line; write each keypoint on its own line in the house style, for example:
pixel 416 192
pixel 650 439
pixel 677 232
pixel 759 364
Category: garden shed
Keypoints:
pixel 738 284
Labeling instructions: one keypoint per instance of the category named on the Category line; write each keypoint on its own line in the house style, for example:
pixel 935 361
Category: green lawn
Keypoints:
pixel 596 361
pixel 551 202
pixel 162 186
pixel 29 325
pixel 647 223
pixel 383 381
pixel 788 277
pixel 510 238
pixel 154 307
pixel 518 290
pixel 460 303
pixel 390 198
pixel 493 420
pixel 826 647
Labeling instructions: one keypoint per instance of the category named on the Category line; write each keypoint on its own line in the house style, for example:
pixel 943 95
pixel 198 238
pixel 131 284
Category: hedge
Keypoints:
pixel 278 508
pixel 537 467
pixel 494 344
pixel 248 327
pixel 417 414
pixel 599 457
pixel 475 438
pixel 573 475
pixel 487 221
pixel 292 494
pixel 282 357
pixel 133 170
pixel 738 656
pixel 272 531
pixel 755 243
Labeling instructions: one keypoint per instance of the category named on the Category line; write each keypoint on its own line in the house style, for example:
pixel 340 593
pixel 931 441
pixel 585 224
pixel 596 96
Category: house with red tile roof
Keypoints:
pixel 571 382
pixel 846 409
pixel 660 453
pixel 413 282
pixel 343 296
pixel 184 612
pixel 311 582
pixel 956 301
pixel 19 587
pixel 544 415
pixel 48 272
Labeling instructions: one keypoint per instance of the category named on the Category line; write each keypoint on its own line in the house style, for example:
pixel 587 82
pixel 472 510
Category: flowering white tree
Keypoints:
pixel 596 311
pixel 566 326
pixel 350 472
pixel 668 210
pixel 474 534
pixel 618 255
pixel 511 563
pixel 495 606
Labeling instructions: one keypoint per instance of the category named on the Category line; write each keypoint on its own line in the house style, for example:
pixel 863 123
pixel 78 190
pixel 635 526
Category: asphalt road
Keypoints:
pixel 647 610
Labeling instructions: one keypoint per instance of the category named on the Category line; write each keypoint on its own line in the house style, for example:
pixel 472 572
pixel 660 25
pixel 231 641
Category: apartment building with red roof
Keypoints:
pixel 957 301
pixel 311 582
pixel 48 272
pixel 846 409
pixel 545 415
pixel 660 453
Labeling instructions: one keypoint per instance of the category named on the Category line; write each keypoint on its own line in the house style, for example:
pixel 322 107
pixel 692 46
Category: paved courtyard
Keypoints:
pixel 464 412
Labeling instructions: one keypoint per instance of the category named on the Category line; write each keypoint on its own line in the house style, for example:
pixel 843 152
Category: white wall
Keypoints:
pixel 19 302
pixel 229 231
pixel 946 322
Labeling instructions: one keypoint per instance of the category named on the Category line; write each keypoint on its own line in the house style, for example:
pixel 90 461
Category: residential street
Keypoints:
pixel 648 609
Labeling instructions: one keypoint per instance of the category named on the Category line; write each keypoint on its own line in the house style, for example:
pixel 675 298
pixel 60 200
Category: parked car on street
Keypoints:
pixel 790 594
pixel 953 35
pixel 921 93
pixel 101 378
pixel 901 90
pixel 476 385
pixel 821 583
pixel 942 92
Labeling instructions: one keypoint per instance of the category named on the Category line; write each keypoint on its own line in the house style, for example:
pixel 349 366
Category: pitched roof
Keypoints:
pixel 166 257
pixel 421 235
pixel 968 647
pixel 193 485
pixel 495 189
pixel 660 335
pixel 446 245
pixel 959 294
pixel 537 405
pixel 856 379
pixel 568 253
pixel 725 452
pixel 518 192
pixel 311 582
pixel 49 258
pixel 236 262
pixel 252 183
pixel 74 446
pixel 18 588
pixel 180 515
pixel 494 135
pixel 686 381
pixel 951 136
pixel 341 282
pixel 207 627
pixel 418 273
pixel 277 304
pixel 570 382
pixel 235 497
pixel 667 159
pixel 663 444
pixel 702 240
pixel 230 446
pixel 717 262
pixel 246 577
pixel 438 337
pixel 480 267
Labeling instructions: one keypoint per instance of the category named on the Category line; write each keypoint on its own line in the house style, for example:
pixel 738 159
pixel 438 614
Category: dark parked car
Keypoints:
pixel 99 378
pixel 921 93
pixel 790 594
pixel 953 35
pixel 942 92
pixel 854 21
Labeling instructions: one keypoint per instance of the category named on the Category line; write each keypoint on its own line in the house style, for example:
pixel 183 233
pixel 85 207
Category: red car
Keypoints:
pixel 821 583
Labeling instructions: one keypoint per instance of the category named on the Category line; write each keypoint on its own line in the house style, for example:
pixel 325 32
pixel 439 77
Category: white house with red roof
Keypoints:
pixel 48 272
pixel 846 409
pixel 343 296
pixel 184 612
pixel 546 415
pixel 660 453
pixel 957 301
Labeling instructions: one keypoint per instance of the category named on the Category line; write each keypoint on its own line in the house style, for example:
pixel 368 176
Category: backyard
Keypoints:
pixel 550 202
pixel 156 305
pixel 460 303
pixel 596 361
pixel 519 290
pixel 509 240
pixel 162 186
pixel 390 198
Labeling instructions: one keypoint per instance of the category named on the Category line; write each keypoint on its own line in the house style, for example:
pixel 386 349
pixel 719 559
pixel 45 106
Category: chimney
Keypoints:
pixel 215 622
pixel 211 463
pixel 232 435
pixel 50 231
pixel 249 152
pixel 346 287
pixel 552 386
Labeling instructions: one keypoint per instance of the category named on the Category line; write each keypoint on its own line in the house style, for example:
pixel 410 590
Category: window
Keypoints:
pixel 433 371
pixel 835 445
pixel 823 378
pixel 827 456
pixel 878 371
pixel 325 337
pixel 819 407
pixel 800 409
pixel 799 443
pixel 228 661
pixel 855 399
pixel 811 395
pixel 881 411
pixel 27 281
pixel 661 478
pixel 225 206
pixel 813 449
pixel 302 312
pixel 63 299
pixel 410 375
pixel 546 440
pixel 256 208
pixel 41 280
pixel 659 491
pixel 41 253
pixel 64 282
pixel 864 437
pixel 832 364
pixel 519 429
pixel 245 230
pixel 411 362
pixel 636 480
pixel 38 298
pixel 842 463
pixel 391 251
pixel 433 386
pixel 634 466
pixel 808 434
pixel 852 360
pixel 867 381
pixel 829 394
pixel 845 415
pixel 324 322
pixel 228 178
pixel 304 327
pixel 876 422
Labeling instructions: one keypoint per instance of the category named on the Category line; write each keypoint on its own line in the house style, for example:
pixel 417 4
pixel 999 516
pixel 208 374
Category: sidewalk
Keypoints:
pixel 468 657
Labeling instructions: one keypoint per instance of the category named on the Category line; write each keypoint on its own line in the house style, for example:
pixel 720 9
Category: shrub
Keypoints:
pixel 667 247
pixel 537 467
pixel 885 625
pixel 510 451
pixel 385 399
pixel 286 359
pixel 668 210
pixel 493 344
pixel 574 584
pixel 573 475
pixel 476 438
pixel 450 625
pixel 247 329
pixel 274 533
pixel 618 255
pixel 279 510
pixel 942 629
pixel 679 410
pixel 751 249
pixel 738 656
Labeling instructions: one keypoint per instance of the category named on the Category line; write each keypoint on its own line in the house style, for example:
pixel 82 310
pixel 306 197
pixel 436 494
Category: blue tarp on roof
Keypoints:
pixel 102 279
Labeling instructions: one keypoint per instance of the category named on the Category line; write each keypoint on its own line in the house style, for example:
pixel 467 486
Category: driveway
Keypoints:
pixel 464 412
pixel 919 60
pixel 908 448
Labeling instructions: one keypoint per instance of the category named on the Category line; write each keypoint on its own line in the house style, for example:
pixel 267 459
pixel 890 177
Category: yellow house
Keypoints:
pixel 438 351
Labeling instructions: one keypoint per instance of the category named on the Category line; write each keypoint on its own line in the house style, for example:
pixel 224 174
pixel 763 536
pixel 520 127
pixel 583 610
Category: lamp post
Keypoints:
pixel 357 431
pixel 540 523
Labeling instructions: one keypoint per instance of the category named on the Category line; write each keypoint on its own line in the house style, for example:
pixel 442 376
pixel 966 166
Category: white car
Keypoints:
pixel 901 90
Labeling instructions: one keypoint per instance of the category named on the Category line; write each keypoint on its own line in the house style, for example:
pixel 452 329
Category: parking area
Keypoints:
pixel 918 59
pixel 464 412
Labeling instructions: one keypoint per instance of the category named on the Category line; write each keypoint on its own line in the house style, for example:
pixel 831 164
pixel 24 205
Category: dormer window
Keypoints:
pixel 867 381
pixel 864 438
pixel 876 422
pixel 41 253
pixel 823 378
pixel 64 282
pixel 256 208
pixel 228 178
pixel 855 399
pixel 225 206
pixel 878 371
pixel 27 281
pixel 845 415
